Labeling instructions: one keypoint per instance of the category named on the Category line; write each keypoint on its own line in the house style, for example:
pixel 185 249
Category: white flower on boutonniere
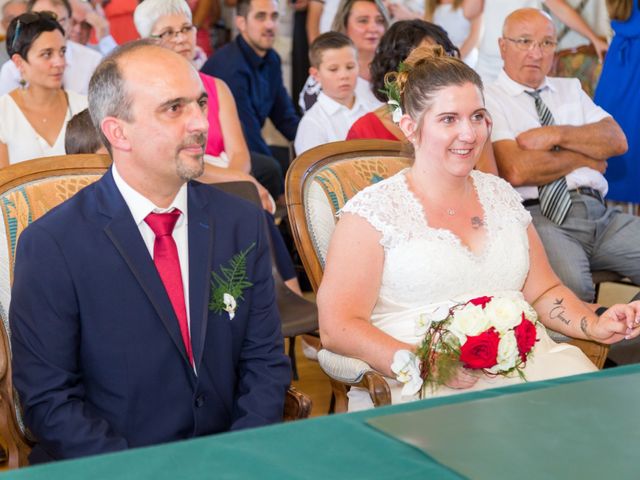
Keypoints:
pixel 396 110
pixel 228 285
pixel 230 305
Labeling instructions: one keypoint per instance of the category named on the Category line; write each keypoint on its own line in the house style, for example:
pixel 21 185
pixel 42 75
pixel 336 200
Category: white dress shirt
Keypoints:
pixel 327 121
pixel 140 207
pixel 514 112
pixel 81 62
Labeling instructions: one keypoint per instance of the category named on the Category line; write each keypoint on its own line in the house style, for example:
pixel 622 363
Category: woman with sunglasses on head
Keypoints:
pixel 226 152
pixel 33 117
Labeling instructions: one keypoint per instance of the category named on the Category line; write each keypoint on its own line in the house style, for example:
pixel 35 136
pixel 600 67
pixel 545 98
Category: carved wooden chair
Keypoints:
pixel 27 191
pixel 318 184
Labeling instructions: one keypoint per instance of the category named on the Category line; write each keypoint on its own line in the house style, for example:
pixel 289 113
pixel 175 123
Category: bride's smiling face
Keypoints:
pixel 453 132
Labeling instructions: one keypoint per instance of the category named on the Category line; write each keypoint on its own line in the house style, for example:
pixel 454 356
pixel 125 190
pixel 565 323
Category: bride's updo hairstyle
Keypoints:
pixel 427 70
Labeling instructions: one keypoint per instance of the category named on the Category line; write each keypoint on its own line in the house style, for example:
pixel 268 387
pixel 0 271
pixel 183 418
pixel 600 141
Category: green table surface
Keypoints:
pixel 335 446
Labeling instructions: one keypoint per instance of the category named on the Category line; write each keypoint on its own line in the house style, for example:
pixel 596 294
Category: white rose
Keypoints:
pixel 503 314
pixel 507 353
pixel 469 320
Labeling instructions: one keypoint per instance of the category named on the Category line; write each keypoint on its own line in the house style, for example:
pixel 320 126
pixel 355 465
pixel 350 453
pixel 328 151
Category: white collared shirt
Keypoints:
pixel 140 207
pixel 326 121
pixel 514 112
pixel 81 62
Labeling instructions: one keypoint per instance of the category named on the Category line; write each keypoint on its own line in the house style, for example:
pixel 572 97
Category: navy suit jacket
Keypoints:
pixel 98 360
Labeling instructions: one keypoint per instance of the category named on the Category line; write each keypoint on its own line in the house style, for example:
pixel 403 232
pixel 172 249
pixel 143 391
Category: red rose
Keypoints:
pixel 480 301
pixel 525 337
pixel 480 351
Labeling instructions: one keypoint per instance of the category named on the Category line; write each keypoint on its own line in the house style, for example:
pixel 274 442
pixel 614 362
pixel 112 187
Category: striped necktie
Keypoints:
pixel 554 197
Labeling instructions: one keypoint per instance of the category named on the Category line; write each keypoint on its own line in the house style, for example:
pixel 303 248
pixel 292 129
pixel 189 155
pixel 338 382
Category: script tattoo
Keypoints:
pixel 583 326
pixel 558 310
pixel 477 222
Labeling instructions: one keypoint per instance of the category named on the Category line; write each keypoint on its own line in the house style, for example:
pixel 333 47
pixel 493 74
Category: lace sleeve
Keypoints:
pixel 378 205
pixel 506 199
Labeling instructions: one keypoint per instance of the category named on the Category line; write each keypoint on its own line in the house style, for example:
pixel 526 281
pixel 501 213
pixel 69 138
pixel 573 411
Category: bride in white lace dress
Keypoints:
pixel 441 232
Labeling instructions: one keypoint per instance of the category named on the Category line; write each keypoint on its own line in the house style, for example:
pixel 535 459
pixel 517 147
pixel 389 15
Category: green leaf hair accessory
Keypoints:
pixel 392 91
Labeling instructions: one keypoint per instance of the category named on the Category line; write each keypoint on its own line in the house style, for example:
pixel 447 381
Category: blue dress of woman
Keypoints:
pixel 618 94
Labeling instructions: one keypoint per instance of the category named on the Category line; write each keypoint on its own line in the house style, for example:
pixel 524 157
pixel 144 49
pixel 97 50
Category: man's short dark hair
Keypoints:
pixel 108 96
pixel 243 7
pixel 327 41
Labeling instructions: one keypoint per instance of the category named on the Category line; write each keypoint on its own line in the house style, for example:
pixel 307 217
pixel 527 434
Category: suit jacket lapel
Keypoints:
pixel 125 235
pixel 200 252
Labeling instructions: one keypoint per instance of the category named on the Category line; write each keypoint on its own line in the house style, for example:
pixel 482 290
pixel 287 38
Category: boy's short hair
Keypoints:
pixel 328 41
pixel 81 136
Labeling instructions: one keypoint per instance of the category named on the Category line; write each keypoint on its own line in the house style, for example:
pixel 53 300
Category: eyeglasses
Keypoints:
pixel 29 18
pixel 526 44
pixel 171 34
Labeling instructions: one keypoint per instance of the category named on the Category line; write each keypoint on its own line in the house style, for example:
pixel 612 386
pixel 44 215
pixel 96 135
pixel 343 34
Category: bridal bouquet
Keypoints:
pixel 492 334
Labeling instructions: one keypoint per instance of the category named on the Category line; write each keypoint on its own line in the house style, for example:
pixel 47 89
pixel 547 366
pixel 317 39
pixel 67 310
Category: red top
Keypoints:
pixel 370 126
pixel 215 142
pixel 120 16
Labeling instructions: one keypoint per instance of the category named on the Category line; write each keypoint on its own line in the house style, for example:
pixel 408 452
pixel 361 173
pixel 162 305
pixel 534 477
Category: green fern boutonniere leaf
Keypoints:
pixel 229 284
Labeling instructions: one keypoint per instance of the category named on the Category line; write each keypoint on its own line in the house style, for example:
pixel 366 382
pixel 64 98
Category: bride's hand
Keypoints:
pixel 617 323
pixel 463 378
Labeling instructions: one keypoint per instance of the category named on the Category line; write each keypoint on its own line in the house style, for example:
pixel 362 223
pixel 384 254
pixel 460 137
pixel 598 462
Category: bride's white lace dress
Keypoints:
pixel 427 267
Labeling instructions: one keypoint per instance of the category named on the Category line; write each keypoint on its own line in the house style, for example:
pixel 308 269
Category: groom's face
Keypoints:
pixel 168 133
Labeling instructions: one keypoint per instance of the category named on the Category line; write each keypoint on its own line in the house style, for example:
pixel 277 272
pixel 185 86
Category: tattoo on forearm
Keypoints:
pixel 558 311
pixel 476 222
pixel 583 326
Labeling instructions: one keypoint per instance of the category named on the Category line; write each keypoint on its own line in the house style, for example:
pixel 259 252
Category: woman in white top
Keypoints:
pixel 33 118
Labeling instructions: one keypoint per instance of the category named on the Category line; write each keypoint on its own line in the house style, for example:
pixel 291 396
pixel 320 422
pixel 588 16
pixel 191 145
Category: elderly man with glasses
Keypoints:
pixel 552 143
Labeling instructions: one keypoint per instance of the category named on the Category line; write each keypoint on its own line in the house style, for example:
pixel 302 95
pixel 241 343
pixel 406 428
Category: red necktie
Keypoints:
pixel 165 256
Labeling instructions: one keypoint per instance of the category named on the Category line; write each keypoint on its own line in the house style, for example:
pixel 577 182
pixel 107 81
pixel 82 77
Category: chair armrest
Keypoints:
pixel 345 372
pixel 343 369
pixel 596 352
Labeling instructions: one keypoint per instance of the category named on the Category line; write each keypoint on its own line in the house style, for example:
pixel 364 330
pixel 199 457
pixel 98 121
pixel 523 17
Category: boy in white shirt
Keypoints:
pixel 334 64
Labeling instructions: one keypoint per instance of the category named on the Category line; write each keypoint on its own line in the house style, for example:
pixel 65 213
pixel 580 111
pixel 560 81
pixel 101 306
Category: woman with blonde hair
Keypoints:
pixel 440 233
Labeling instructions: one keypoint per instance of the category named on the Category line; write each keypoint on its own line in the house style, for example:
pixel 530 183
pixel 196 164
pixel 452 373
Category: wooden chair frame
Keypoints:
pixel 300 172
pixel 305 167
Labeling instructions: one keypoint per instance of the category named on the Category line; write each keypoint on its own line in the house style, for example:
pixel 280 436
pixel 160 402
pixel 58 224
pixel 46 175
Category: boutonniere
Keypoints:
pixel 228 286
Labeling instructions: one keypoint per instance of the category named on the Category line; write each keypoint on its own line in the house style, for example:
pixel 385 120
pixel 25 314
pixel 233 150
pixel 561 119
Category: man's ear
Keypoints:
pixel 241 23
pixel 502 45
pixel 115 131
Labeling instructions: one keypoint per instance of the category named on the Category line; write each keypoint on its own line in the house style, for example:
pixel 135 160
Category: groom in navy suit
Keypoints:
pixel 121 336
